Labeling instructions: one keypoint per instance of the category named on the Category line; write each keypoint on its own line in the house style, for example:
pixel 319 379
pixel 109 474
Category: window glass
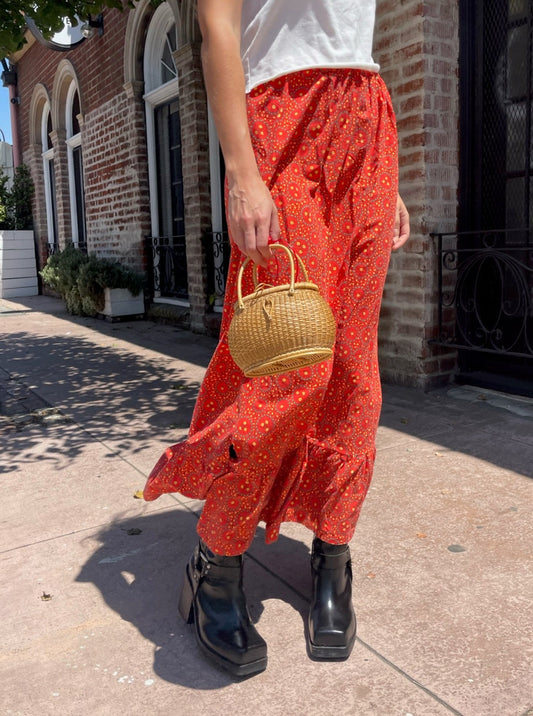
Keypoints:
pixel 168 66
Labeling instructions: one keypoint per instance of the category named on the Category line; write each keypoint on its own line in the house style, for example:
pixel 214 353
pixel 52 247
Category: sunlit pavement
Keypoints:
pixel 91 575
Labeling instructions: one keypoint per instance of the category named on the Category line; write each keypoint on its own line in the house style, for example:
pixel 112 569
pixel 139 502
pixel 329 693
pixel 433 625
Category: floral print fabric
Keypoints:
pixel 300 446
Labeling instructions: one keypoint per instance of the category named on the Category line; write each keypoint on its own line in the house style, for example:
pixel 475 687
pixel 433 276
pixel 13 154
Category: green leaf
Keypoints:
pixel 48 16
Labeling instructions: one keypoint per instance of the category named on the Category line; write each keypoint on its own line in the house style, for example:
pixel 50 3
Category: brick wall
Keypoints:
pixel 417 45
pixel 113 143
pixel 116 177
pixel 33 159
pixel 64 226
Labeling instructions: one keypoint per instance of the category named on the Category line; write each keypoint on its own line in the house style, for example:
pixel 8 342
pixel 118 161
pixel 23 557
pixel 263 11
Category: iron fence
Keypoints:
pixel 55 248
pixel 217 252
pixel 485 284
pixel 167 266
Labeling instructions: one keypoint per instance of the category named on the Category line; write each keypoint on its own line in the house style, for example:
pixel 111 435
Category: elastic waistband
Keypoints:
pixel 313 75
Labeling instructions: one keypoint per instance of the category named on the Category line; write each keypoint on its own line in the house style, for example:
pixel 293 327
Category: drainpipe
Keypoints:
pixel 9 79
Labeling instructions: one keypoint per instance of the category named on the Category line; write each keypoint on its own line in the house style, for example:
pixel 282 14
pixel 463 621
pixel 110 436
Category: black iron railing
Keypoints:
pixel 167 266
pixel 485 283
pixel 217 252
pixel 55 248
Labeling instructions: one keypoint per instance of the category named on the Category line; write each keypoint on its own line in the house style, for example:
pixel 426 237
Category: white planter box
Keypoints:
pixel 120 302
pixel 18 270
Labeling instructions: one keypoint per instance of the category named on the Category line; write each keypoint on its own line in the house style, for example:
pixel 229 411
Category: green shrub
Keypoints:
pixel 15 203
pixel 62 269
pixel 4 201
pixel 81 279
pixel 90 285
pixel 21 197
pixel 75 304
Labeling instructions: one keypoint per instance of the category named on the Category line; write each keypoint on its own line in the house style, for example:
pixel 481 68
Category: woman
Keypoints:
pixel 309 141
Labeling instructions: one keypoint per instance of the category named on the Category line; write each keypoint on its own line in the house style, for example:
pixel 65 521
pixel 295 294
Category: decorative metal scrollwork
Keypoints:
pixel 486 292
pixel 168 266
pixel 217 252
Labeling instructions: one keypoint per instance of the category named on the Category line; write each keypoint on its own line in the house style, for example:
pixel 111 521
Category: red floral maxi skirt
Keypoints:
pixel 301 446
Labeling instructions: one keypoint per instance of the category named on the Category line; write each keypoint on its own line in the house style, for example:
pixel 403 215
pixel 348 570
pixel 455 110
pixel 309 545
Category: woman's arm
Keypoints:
pixel 252 214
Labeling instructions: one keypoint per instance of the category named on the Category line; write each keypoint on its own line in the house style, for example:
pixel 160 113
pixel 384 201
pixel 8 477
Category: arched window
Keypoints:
pixel 167 65
pixel 49 177
pixel 163 130
pixel 75 167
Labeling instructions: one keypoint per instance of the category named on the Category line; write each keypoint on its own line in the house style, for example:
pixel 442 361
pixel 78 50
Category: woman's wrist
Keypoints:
pixel 242 172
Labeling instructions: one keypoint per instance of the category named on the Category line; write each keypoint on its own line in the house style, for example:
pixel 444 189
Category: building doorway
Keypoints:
pixel 494 291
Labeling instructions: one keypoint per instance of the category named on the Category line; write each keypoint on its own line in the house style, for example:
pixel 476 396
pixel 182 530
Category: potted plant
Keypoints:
pixel 111 288
pixel 18 269
pixel 90 285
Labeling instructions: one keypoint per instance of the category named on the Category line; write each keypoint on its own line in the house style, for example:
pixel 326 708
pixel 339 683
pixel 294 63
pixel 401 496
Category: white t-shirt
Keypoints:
pixel 282 36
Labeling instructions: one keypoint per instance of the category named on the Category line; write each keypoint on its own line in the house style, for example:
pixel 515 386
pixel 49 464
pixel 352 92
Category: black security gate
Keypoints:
pixel 494 250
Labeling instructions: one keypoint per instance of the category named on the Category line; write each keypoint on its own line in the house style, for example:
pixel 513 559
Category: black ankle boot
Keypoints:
pixel 331 616
pixel 213 598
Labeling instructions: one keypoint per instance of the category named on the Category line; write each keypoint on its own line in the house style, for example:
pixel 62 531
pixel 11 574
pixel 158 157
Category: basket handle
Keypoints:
pixel 291 256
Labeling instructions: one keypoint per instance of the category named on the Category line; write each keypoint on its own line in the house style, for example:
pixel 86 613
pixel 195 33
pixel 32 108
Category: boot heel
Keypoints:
pixel 185 606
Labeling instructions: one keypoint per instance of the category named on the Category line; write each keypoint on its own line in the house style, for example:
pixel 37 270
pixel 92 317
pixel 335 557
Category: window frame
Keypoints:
pixel 73 142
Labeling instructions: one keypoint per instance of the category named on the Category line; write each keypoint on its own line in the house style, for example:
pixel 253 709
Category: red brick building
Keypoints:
pixel 121 147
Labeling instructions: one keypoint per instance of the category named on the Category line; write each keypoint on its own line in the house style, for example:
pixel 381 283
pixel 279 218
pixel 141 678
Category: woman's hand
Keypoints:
pixel 401 225
pixel 252 218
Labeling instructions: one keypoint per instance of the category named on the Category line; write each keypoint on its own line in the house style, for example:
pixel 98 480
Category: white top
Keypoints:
pixel 282 36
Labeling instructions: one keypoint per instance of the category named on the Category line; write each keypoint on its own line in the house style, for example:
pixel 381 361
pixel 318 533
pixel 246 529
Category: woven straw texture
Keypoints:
pixel 280 328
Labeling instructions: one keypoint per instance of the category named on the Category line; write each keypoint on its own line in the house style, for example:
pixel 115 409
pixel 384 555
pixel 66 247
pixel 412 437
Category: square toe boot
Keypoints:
pixel 332 624
pixel 213 599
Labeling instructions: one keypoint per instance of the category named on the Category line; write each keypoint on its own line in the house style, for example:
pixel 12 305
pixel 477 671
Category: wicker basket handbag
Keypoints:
pixel 277 329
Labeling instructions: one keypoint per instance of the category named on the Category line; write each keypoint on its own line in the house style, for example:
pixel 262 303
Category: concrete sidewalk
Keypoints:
pixel 90 575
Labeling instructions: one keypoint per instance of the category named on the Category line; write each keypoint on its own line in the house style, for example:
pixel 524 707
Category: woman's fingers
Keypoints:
pixel 401 225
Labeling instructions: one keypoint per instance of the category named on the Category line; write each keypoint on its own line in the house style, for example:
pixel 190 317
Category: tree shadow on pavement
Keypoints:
pixel 129 397
pixel 140 576
pixel 117 396
pixel 173 341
